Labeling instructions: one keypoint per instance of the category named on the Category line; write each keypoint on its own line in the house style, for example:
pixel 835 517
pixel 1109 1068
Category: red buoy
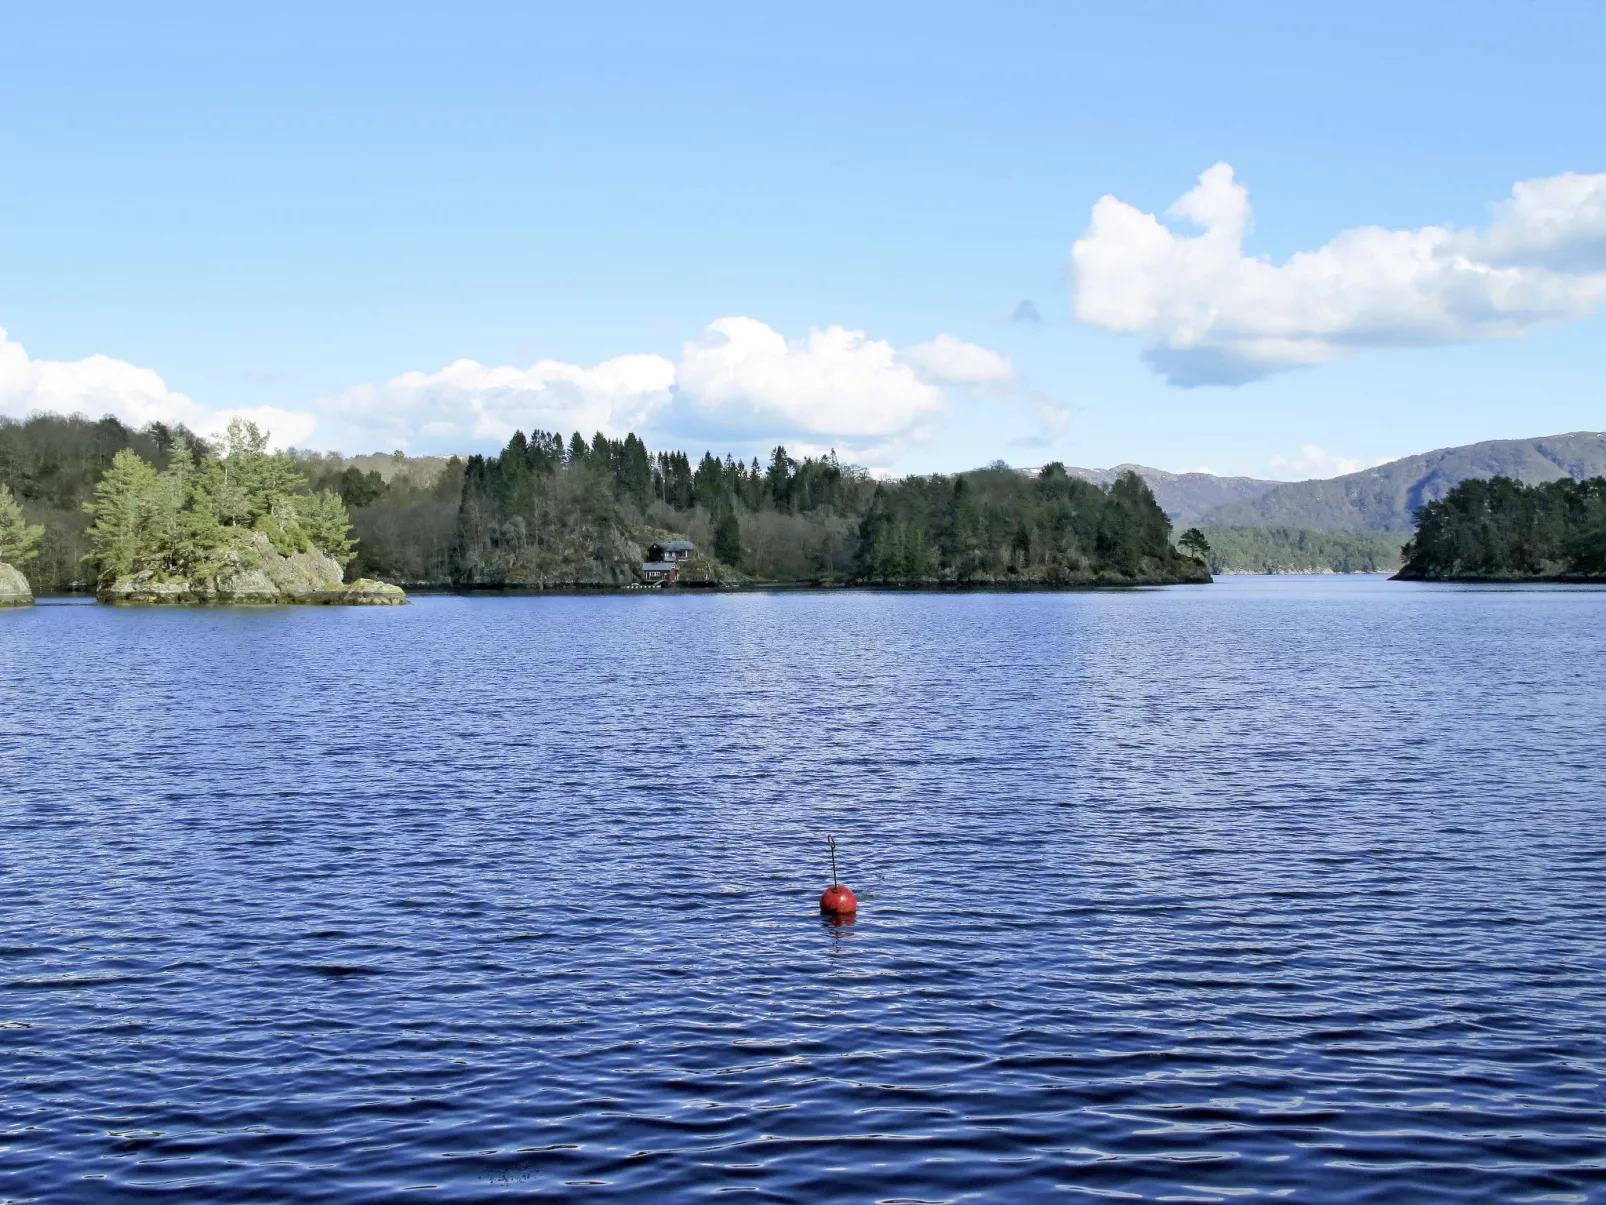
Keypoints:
pixel 837 899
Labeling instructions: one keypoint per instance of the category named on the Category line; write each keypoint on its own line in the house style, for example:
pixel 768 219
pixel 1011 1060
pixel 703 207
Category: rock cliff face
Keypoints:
pixel 565 552
pixel 14 590
pixel 257 574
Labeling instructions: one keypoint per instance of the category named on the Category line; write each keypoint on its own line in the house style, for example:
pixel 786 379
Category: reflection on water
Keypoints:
pixel 1278 888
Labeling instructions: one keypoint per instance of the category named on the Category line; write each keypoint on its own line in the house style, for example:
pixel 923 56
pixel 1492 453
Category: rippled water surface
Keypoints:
pixel 1279 888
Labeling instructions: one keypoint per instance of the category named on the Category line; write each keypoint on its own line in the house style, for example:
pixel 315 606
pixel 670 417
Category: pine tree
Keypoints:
pixel 1194 542
pixel 122 538
pixel 19 541
pixel 728 538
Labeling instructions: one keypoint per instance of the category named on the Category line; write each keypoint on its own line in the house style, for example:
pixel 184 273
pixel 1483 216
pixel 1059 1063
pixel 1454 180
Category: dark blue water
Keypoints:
pixel 1280 888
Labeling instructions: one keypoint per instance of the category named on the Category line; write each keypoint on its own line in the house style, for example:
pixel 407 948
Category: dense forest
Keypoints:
pixel 1296 550
pixel 52 466
pixel 549 512
pixel 546 512
pixel 1500 529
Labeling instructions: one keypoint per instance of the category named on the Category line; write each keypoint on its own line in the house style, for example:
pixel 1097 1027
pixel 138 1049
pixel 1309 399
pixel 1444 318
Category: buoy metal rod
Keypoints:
pixel 837 900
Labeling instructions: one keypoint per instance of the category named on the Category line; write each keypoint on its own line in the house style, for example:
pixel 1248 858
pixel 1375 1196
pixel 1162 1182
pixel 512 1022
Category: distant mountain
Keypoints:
pixel 1185 497
pixel 1385 498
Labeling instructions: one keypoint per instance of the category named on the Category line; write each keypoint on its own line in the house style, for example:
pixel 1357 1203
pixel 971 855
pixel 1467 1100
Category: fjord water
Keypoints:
pixel 1277 888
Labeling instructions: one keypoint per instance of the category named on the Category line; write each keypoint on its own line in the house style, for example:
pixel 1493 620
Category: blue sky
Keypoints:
pixel 289 210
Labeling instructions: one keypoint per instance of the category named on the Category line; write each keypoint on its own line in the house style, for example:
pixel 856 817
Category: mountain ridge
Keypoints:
pixel 1186 498
pixel 1381 498
pixel 1385 498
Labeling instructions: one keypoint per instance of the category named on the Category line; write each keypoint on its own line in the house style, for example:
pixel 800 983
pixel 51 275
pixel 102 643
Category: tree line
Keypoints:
pixel 1297 550
pixel 548 511
pixel 998 525
pixel 1502 529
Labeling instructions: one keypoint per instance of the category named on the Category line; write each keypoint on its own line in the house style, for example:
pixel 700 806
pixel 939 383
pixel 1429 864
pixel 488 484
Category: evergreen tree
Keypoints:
pixel 1503 529
pixel 779 478
pixel 635 470
pixel 19 541
pixel 121 538
pixel 190 519
pixel 728 539
pixel 361 489
pixel 323 520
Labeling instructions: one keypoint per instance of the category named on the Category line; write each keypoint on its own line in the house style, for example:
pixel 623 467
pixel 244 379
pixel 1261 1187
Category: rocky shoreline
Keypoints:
pixel 1558 577
pixel 257 575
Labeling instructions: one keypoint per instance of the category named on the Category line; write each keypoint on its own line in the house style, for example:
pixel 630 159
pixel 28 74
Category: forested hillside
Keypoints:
pixel 1296 550
pixel 549 512
pixel 1186 497
pixel 1502 530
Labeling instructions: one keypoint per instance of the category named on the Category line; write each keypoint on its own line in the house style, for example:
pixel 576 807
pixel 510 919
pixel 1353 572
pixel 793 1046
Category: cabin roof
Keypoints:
pixel 680 546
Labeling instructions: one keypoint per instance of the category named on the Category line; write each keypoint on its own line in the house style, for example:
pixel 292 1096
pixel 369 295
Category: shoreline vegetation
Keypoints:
pixel 159 514
pixel 1499 530
pixel 550 514
pixel 236 524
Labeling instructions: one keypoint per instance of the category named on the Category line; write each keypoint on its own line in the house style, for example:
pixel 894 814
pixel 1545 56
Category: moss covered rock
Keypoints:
pixel 14 591
pixel 257 574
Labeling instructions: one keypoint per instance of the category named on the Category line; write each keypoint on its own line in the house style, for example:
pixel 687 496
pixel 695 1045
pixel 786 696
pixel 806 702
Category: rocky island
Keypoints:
pixel 241 528
pixel 255 572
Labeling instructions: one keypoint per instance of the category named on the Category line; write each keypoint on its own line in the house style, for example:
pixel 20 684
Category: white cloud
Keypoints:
pixel 832 381
pixel 1213 315
pixel 467 404
pixel 100 385
pixel 1557 223
pixel 950 361
pixel 1313 463
pixel 834 386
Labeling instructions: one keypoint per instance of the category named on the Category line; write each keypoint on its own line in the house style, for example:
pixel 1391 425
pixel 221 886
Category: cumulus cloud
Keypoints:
pixel 1557 223
pixel 947 360
pixel 833 386
pixel 831 382
pixel 1215 316
pixel 468 404
pixel 1314 462
pixel 100 385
